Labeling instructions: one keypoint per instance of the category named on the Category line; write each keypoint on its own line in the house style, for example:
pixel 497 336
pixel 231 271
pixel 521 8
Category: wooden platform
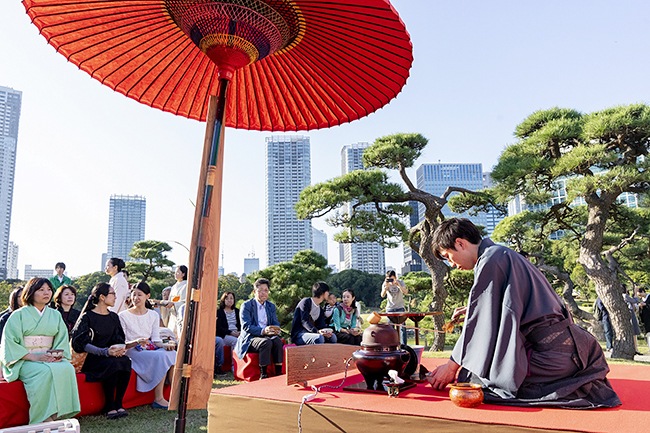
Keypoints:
pixel 271 406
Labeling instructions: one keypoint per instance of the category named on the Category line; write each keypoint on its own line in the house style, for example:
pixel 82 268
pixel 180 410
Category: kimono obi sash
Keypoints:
pixel 556 337
pixel 38 343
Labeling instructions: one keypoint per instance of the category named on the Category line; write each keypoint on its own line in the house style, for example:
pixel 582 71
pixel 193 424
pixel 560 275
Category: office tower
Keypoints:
pixel 492 217
pixel 369 256
pixel 10 102
pixel 12 261
pixel 320 242
pixel 126 220
pixel 251 264
pixel 435 178
pixel 37 273
pixel 288 172
pixel 412 260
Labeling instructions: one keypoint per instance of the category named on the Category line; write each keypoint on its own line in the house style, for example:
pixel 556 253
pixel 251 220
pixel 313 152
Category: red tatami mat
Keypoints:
pixel 631 382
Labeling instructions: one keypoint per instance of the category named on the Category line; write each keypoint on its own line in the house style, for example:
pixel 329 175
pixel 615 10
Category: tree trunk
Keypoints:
pixel 606 281
pixel 438 272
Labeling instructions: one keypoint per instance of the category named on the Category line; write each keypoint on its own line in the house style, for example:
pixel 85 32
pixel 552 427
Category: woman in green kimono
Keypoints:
pixel 32 337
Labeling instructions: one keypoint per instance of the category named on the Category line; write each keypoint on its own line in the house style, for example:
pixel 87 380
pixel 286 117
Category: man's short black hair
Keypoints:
pixel 444 238
pixel 319 289
pixel 261 281
pixel 59 265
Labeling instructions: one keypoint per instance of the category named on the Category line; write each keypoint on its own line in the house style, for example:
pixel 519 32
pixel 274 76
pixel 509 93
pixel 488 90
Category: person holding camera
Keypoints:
pixel 394 290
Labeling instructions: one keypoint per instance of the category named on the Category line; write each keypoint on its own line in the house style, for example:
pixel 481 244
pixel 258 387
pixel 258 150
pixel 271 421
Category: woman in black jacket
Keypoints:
pixel 228 325
pixel 63 300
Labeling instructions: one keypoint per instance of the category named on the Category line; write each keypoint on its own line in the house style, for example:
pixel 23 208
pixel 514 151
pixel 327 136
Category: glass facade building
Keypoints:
pixel 288 172
pixel 10 104
pixel 126 222
pixel 369 256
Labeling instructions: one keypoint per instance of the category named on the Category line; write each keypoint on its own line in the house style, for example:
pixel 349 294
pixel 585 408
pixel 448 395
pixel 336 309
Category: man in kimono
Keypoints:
pixel 518 340
pixel 25 354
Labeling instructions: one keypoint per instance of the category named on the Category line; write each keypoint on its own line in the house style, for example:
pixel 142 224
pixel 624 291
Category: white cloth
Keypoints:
pixel 121 288
pixel 177 295
pixel 140 326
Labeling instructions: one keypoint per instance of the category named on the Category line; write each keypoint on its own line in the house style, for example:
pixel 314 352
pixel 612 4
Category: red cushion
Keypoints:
pixel 14 407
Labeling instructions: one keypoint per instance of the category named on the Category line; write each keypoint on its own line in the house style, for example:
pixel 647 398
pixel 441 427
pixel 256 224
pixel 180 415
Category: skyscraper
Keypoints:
pixel 367 257
pixel 126 220
pixel 319 242
pixel 12 261
pixel 288 172
pixel 435 178
pixel 10 102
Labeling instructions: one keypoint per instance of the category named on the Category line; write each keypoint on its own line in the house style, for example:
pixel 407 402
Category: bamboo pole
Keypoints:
pixel 195 358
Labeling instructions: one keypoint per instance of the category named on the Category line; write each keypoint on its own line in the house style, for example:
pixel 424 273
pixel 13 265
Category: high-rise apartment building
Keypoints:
pixel 10 102
pixel 12 261
pixel 288 172
pixel 436 178
pixel 319 241
pixel 126 220
pixel 369 256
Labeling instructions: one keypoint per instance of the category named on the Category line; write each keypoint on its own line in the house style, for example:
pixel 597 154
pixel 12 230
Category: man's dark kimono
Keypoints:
pixel 520 343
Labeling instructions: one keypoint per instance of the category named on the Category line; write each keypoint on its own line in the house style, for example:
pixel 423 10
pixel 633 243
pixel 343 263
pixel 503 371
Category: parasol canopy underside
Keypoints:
pixel 350 59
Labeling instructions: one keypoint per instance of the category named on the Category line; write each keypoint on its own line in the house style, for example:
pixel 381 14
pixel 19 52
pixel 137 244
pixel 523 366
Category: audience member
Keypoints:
pixel 114 267
pixel 150 359
pixel 228 324
pixel 329 308
pixel 64 299
pixel 632 304
pixel 35 349
pixel 59 279
pixel 177 296
pixel 99 333
pixel 309 319
pixel 15 302
pixel 608 329
pixel 644 313
pixel 259 329
pixel 164 312
pixel 345 320
pixel 394 291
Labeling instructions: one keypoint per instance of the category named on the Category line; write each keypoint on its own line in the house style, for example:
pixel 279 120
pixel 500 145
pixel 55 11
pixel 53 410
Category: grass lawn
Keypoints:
pixel 146 419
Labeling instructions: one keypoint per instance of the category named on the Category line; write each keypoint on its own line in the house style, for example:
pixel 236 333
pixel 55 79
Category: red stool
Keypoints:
pixel 248 369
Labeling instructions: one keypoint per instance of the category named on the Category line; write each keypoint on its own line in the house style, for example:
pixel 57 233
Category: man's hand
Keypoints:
pixel 270 330
pixel 325 332
pixel 443 375
pixel 458 312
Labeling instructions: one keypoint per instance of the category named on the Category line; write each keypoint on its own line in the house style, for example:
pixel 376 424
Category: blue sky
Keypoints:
pixel 480 68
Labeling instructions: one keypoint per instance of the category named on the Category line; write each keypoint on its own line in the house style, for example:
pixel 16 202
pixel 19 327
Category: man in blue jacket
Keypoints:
pixel 259 330
pixel 309 319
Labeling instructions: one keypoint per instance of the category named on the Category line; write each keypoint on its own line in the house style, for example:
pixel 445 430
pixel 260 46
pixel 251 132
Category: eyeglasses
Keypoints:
pixel 110 293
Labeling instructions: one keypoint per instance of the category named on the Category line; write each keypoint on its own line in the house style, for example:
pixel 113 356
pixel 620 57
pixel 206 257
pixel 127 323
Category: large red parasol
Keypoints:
pixel 279 65
pixel 295 64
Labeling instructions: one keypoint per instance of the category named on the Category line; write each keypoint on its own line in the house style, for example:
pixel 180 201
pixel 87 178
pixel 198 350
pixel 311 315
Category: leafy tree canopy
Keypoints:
pixel 153 260
pixel 366 286
pixel 85 283
pixel 292 281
